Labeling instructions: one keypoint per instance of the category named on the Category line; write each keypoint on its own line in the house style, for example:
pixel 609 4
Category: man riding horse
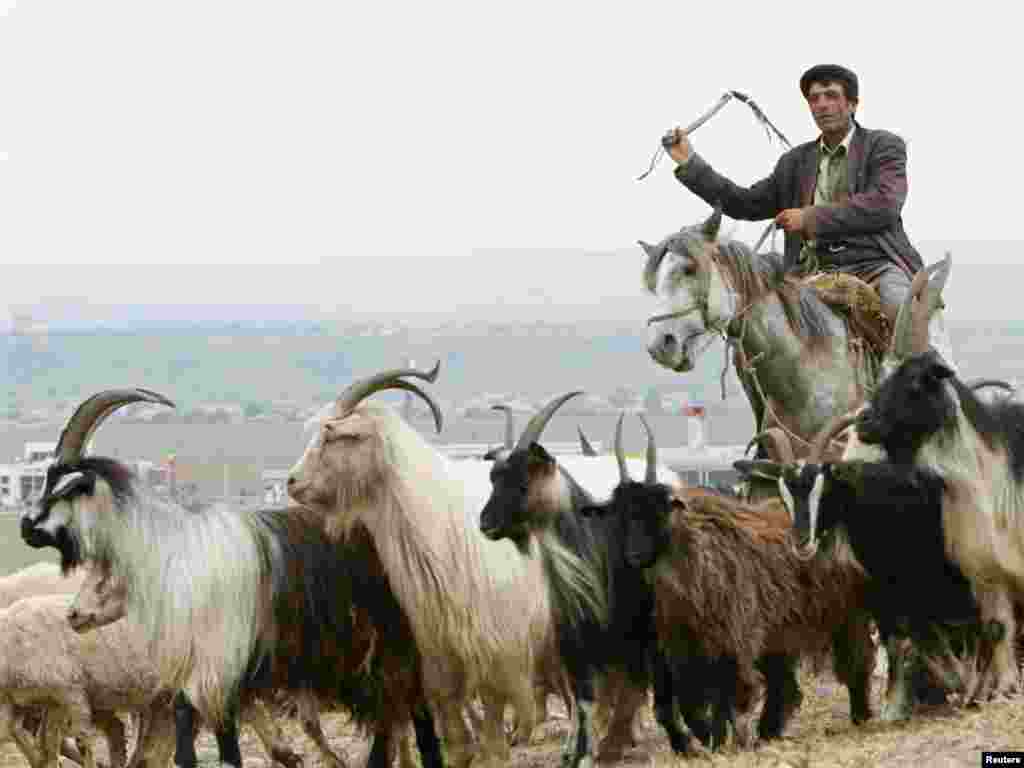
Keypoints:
pixel 838 197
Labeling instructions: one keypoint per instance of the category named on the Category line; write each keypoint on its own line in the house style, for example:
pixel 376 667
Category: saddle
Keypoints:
pixel 858 302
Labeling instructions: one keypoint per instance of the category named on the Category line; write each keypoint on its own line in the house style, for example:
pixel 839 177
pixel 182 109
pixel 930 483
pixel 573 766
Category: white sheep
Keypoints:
pixel 79 680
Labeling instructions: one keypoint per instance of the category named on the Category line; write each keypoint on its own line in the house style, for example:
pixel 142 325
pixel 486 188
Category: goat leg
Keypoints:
pixel 427 741
pixel 271 735
pixel 665 706
pixel 783 695
pixel 113 730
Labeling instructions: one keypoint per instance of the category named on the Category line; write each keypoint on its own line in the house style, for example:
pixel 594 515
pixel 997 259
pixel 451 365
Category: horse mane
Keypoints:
pixel 755 275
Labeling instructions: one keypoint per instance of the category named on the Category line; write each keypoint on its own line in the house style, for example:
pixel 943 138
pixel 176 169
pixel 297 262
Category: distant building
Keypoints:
pixel 22 481
pixel 275 483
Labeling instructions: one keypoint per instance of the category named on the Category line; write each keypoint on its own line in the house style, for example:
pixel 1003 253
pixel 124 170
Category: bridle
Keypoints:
pixel 701 304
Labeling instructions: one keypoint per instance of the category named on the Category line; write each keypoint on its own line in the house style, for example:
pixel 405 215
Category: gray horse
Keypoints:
pixel 796 356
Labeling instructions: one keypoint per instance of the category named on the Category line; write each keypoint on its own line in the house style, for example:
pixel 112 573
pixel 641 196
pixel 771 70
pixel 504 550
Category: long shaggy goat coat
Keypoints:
pixel 238 601
pixel 478 609
pixel 733 581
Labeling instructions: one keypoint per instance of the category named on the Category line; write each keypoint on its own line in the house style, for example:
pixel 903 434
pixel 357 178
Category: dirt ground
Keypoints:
pixel 820 736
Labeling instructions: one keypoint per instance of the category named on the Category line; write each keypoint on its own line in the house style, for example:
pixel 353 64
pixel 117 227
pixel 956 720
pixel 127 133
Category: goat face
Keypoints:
pixel 342 464
pixel 72 498
pixel 523 495
pixel 100 601
pixel 910 405
pixel 646 510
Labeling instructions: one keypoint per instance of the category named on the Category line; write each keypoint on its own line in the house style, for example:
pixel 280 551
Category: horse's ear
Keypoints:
pixel 654 256
pixel 710 227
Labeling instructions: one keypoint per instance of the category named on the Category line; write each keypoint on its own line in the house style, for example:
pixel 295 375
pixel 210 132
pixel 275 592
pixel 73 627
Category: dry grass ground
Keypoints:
pixel 820 736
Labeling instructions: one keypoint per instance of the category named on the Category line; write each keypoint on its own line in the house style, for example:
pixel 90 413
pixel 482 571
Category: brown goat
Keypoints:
pixel 727 576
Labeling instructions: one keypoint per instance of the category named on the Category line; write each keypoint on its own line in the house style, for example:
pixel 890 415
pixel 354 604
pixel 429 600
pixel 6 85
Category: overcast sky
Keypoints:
pixel 397 144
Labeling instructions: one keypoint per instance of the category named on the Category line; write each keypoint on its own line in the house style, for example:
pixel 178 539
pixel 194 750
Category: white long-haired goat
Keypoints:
pixel 478 609
pixel 234 602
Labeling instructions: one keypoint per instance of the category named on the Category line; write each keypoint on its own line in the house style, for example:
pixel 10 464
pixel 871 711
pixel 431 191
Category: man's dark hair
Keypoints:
pixel 830 73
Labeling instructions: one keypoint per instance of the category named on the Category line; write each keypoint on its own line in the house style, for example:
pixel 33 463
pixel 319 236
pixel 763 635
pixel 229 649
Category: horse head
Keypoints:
pixel 694 301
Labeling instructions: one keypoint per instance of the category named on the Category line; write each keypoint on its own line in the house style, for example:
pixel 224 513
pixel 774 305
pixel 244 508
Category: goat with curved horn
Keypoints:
pixel 93 412
pixel 361 389
pixel 535 427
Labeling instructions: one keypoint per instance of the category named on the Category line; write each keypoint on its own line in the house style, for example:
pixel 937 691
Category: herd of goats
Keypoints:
pixel 409 590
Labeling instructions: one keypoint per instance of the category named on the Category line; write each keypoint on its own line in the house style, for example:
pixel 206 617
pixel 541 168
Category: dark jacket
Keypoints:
pixel 868 222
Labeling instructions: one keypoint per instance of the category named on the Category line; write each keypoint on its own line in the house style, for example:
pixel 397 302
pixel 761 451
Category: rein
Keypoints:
pixel 738 323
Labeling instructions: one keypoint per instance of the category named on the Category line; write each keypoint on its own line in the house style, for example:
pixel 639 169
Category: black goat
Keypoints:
pixel 601 607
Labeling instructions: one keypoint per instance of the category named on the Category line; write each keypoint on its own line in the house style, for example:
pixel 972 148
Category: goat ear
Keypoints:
pixel 940 371
pixel 72 484
pixel 538 454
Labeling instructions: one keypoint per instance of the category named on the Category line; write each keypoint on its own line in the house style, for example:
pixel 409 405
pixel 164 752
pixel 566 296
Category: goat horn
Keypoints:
pixel 535 426
pixel 976 384
pixel 408 386
pixel 938 274
pixel 903 328
pixel 836 425
pixel 620 455
pixel 778 444
pixel 651 475
pixel 585 446
pixel 90 414
pixel 360 389
pixel 510 426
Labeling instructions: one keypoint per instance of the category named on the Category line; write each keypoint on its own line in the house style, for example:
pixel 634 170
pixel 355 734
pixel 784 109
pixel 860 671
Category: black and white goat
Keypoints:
pixel 235 602
pixel 601 607
pixel 891 516
pixel 922 413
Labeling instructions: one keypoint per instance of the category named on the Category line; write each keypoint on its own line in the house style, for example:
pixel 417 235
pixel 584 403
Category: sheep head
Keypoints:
pixel 347 460
pixel 526 494
pixel 101 600
pixel 81 489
